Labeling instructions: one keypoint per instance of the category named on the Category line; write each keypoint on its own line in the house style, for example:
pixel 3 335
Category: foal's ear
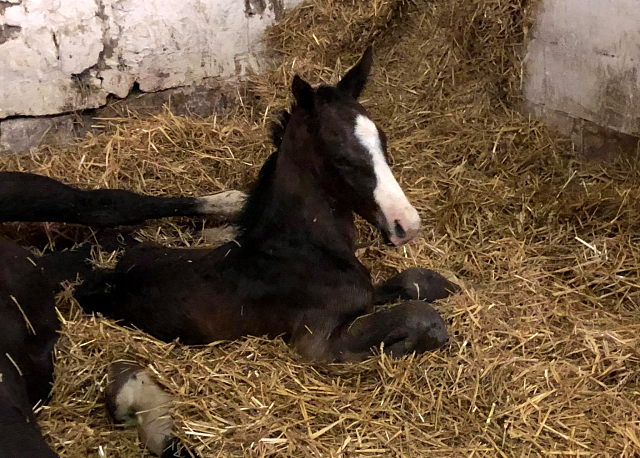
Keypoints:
pixel 354 81
pixel 303 92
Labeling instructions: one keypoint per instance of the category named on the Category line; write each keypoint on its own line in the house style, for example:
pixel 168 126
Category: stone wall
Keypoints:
pixel 63 56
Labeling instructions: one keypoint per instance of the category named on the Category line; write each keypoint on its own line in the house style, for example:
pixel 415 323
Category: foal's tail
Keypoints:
pixel 95 294
pixel 74 264
pixel 134 398
pixel 68 265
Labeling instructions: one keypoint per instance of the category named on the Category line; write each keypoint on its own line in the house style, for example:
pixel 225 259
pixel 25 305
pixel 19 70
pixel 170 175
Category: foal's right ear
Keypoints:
pixel 356 78
pixel 303 92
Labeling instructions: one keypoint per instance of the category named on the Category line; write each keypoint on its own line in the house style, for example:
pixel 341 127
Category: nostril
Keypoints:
pixel 399 230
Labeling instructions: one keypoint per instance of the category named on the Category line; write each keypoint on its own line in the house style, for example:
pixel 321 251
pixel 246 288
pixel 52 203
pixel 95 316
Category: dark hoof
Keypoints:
pixel 423 330
pixel 415 283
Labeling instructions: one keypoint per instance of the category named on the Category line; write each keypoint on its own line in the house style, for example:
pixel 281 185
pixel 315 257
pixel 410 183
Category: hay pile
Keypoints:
pixel 545 352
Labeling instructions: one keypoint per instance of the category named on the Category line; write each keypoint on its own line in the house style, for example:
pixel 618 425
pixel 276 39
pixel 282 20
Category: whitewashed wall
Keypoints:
pixel 64 55
pixel 584 61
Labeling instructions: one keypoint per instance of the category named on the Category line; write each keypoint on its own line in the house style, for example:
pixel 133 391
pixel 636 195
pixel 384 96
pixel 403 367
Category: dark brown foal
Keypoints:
pixel 292 270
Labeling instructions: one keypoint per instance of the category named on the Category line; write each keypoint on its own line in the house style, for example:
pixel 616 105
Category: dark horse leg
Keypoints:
pixel 413 325
pixel 407 327
pixel 414 283
pixel 401 329
pixel 35 198
pixel 28 332
pixel 410 326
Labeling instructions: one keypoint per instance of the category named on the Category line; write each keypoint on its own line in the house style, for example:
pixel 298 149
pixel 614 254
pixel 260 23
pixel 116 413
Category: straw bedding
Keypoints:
pixel 544 357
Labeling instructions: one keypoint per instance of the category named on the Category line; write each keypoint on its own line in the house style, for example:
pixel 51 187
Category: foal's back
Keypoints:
pixel 237 289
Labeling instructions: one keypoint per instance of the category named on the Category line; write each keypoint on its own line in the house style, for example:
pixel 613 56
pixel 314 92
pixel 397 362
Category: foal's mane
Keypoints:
pixel 278 126
pixel 259 195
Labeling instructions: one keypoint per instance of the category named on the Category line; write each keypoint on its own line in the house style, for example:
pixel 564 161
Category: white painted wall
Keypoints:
pixel 584 60
pixel 63 55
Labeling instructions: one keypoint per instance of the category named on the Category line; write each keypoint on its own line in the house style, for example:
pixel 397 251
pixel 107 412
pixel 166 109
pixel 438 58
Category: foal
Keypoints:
pixel 292 270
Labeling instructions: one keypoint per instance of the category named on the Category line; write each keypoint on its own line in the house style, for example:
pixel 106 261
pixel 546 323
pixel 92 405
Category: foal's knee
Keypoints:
pixel 314 347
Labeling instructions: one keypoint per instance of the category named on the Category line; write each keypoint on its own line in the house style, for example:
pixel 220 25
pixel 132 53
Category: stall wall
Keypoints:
pixel 60 56
pixel 583 61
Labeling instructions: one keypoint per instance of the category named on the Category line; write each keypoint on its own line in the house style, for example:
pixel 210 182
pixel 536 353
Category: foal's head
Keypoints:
pixel 352 150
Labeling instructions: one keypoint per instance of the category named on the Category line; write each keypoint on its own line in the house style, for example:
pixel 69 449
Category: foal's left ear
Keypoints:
pixel 354 81
pixel 303 92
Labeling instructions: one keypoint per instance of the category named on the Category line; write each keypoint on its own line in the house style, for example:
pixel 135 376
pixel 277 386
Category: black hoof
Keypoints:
pixel 423 330
pixel 415 283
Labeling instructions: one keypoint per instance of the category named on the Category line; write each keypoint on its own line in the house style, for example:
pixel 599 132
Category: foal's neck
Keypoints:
pixel 297 210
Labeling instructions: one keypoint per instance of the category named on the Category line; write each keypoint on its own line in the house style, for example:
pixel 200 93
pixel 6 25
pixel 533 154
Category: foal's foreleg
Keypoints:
pixel 402 329
pixel 414 283
pixel 35 198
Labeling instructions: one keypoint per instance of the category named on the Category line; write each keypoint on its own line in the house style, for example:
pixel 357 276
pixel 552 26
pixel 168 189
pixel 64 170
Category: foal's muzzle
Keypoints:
pixel 400 225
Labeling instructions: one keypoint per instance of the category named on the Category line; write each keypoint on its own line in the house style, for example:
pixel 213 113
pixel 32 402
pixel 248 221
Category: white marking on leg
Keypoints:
pixel 217 236
pixel 141 395
pixel 225 204
pixel 388 194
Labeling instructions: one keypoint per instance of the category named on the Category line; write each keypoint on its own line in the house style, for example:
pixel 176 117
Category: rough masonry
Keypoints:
pixel 60 56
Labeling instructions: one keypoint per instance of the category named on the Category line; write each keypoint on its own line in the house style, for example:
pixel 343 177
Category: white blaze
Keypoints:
pixel 388 194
